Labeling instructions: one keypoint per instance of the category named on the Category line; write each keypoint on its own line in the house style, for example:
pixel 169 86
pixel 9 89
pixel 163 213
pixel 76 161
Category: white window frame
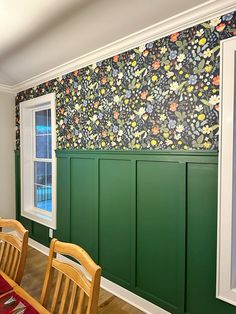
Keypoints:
pixel 27 149
pixel 226 247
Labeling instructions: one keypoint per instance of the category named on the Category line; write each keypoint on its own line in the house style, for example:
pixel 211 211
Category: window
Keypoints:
pixel 38 163
pixel 226 264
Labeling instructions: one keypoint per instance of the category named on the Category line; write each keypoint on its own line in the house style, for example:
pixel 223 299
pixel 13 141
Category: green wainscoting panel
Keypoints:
pixel 63 199
pixel 115 215
pixel 202 241
pixel 161 232
pixel 40 233
pixel 84 204
pixel 17 184
pixel 149 219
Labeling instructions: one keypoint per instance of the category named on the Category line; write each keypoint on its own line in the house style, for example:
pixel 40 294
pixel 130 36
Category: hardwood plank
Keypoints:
pixel 33 278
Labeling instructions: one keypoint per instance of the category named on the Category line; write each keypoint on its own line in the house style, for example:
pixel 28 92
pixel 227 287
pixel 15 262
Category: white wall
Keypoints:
pixel 7 163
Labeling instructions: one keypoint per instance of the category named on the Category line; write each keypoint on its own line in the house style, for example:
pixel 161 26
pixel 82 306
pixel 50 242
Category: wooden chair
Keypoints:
pixel 69 287
pixel 13 249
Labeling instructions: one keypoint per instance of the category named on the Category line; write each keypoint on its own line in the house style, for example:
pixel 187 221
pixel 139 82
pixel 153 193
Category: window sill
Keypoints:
pixel 228 296
pixel 41 218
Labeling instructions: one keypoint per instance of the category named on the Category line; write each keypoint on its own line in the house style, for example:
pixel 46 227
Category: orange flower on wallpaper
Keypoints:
pixel 104 133
pixel 216 80
pixel 155 130
pixel 116 115
pixel 217 107
pixel 76 73
pixel 96 104
pixel 76 120
pixel 144 94
pixel 116 58
pixel 68 136
pixel 145 53
pixel 156 65
pixel 220 27
pixel 173 106
pixel 174 37
pixel 104 80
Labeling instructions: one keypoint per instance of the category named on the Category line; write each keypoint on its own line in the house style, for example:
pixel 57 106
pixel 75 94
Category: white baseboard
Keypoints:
pixel 122 293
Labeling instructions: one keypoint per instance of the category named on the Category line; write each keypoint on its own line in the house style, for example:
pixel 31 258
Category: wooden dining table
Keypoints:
pixel 14 299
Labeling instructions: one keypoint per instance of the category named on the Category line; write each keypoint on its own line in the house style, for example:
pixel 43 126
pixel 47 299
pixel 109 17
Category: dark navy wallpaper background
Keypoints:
pixel 162 95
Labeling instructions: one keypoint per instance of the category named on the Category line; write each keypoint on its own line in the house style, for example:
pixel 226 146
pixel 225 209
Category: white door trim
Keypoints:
pixel 226 286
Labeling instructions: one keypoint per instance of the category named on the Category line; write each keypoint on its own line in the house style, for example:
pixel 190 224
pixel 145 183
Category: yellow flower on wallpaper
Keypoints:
pixel 201 117
pixel 153 142
pixel 154 78
pixel 202 41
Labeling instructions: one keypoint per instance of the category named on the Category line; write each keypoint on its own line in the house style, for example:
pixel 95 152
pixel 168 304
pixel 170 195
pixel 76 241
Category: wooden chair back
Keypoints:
pixel 69 287
pixel 13 248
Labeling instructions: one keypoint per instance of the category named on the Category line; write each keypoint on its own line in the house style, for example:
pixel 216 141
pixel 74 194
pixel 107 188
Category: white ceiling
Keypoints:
pixel 38 35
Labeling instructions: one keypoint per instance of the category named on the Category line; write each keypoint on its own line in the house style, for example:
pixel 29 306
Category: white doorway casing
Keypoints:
pixel 226 254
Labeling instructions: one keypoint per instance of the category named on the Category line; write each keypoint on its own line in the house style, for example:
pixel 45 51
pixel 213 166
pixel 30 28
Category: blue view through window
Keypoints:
pixel 42 163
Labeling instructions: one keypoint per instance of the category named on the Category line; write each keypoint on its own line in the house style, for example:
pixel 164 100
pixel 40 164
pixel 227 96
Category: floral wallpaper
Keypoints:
pixel 162 95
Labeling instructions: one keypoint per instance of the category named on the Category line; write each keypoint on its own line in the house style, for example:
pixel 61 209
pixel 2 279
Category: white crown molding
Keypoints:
pixel 184 20
pixel 7 89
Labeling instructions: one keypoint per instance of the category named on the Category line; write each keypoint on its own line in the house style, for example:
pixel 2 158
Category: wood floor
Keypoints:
pixel 33 281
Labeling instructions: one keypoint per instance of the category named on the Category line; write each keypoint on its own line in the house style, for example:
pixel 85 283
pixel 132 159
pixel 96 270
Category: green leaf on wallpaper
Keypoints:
pixel 94 86
pixel 215 48
pixel 182 85
pixel 120 65
pixel 137 51
pixel 206 25
pixel 205 102
pixel 144 70
pixel 201 64
pixel 181 44
pixel 167 62
pixel 214 127
pixel 178 43
pixel 195 98
pixel 195 70
pixel 232 30
pixel 178 114
pixel 200 139
pixel 163 60
pixel 132 85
